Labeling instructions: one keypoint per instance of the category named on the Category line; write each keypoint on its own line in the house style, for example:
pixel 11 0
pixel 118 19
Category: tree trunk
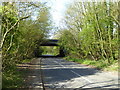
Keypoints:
pixel 119 30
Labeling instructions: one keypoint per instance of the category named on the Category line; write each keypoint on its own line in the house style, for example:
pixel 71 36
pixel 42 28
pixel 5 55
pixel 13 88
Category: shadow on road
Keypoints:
pixel 63 71
pixel 58 73
pixel 31 74
pixel 103 86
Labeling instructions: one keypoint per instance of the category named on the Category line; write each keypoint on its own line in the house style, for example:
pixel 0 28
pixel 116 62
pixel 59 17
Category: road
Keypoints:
pixel 59 73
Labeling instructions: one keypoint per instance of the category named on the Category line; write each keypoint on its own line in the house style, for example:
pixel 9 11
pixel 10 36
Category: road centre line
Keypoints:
pixel 81 76
pixel 59 64
pixel 75 73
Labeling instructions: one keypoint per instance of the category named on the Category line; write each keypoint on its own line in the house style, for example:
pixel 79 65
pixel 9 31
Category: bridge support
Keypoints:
pixel 51 42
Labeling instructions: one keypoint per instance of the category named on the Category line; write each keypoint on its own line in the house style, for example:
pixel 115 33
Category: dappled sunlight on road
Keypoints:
pixel 59 73
pixel 32 74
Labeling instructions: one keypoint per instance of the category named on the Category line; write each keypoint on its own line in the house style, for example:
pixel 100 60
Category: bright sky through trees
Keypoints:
pixel 57 9
pixel 57 12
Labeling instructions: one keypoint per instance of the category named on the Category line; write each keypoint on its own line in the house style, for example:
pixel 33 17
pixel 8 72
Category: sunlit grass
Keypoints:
pixel 26 61
pixel 100 64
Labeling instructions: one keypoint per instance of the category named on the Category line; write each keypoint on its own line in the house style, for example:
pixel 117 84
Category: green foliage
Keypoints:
pixel 12 79
pixel 9 34
pixel 26 61
pixel 50 50
pixel 100 64
pixel 91 31
pixel 21 36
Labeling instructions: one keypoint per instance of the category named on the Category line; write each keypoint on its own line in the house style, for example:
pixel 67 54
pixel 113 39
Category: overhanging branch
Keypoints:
pixel 2 42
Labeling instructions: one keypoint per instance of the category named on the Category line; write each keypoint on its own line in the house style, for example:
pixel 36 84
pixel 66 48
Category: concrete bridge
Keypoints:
pixel 52 42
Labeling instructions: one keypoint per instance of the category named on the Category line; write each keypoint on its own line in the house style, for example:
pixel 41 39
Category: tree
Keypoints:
pixel 93 27
pixel 21 32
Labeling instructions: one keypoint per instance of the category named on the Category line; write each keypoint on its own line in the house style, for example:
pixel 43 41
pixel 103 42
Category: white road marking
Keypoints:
pixel 74 72
pixel 81 76
pixel 59 64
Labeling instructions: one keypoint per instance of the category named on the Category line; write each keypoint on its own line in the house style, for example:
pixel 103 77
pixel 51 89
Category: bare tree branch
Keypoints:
pixel 2 42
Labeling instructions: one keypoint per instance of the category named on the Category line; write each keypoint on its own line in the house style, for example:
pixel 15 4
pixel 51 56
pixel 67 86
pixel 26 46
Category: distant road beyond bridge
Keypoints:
pixel 53 42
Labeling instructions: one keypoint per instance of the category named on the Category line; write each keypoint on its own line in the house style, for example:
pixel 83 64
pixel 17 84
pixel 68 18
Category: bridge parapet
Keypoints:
pixel 50 42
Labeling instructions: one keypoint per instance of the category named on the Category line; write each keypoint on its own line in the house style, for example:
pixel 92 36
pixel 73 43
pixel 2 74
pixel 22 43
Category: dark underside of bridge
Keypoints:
pixel 52 42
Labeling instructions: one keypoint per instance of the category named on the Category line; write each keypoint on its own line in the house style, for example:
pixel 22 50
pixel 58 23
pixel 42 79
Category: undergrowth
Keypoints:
pixel 100 64
pixel 13 77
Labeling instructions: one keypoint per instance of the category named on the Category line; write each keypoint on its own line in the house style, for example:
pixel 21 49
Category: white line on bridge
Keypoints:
pixel 75 73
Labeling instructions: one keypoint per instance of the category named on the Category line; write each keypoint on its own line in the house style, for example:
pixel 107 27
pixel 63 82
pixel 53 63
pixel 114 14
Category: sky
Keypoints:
pixel 57 12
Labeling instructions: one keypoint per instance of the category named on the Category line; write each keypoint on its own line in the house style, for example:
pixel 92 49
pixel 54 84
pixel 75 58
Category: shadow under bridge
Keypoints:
pixel 51 42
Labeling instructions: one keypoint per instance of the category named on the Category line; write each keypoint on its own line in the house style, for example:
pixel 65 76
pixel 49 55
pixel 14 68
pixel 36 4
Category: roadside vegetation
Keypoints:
pixel 50 50
pixel 91 33
pixel 100 64
pixel 24 26
pixel 90 36
pixel 12 78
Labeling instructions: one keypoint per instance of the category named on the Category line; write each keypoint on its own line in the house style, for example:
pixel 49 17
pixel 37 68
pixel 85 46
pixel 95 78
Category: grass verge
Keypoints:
pixel 13 78
pixel 26 61
pixel 99 64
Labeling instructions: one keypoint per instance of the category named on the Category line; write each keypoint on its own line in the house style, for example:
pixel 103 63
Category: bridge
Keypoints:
pixel 52 42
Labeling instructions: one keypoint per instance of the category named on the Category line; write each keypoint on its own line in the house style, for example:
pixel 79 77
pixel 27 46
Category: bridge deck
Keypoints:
pixel 50 42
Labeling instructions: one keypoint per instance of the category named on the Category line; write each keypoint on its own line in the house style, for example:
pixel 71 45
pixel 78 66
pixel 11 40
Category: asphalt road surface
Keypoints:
pixel 59 73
